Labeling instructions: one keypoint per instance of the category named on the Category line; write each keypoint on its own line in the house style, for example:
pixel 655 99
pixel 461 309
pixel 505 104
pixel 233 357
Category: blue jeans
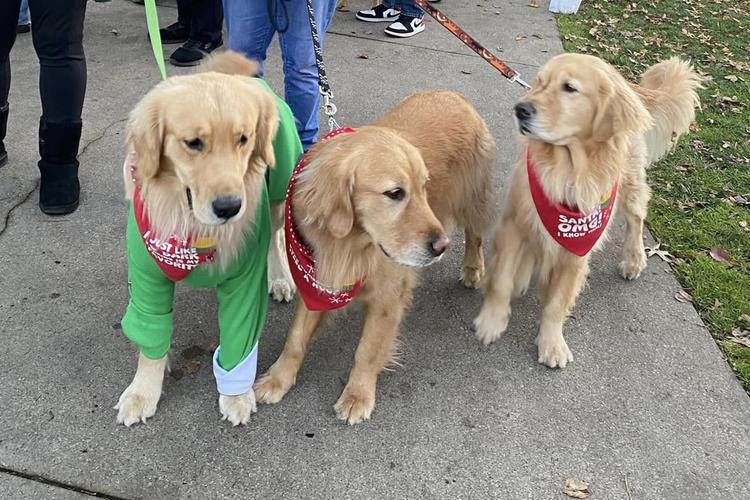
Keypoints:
pixel 23 15
pixel 408 7
pixel 250 32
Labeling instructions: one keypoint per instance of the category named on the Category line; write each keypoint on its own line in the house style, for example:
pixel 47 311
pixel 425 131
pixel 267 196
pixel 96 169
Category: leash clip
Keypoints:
pixel 329 108
pixel 517 79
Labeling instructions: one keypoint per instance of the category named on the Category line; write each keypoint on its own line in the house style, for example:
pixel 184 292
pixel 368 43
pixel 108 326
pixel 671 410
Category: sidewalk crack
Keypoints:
pixel 100 136
pixel 23 200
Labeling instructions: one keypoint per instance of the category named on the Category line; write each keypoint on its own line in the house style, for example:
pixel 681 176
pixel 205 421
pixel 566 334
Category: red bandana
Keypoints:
pixel 573 230
pixel 175 256
pixel 317 296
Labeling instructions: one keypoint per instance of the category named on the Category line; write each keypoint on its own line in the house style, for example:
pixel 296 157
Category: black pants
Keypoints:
pixel 57 31
pixel 203 17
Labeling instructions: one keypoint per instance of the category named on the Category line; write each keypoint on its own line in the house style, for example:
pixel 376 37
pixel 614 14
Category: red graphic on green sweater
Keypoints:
pixel 316 296
pixel 575 231
pixel 176 257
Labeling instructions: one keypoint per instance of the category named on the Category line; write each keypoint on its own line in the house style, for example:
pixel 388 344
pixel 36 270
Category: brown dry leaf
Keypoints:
pixel 731 78
pixel 738 200
pixel 534 3
pixel 363 56
pixel 192 366
pixel 740 336
pixel 576 488
pixel 521 36
pixel 745 318
pixel 538 36
pixel 719 255
pixel 662 254
pixel 717 304
pixel 465 72
pixel 684 297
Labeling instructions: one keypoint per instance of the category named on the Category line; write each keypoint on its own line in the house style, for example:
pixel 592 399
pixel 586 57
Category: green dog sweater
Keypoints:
pixel 241 288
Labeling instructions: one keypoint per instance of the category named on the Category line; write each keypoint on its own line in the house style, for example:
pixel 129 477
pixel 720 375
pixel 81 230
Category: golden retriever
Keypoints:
pixel 585 130
pixel 375 205
pixel 202 144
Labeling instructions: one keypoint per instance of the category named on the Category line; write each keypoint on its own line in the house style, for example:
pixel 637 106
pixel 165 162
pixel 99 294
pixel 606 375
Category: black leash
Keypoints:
pixel 325 88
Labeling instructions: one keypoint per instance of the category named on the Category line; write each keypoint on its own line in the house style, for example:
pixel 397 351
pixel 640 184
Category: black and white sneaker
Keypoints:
pixel 378 14
pixel 405 27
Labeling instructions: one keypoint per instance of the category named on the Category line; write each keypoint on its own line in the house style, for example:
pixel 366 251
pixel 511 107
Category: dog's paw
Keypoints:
pixel 491 324
pixel 471 277
pixel 355 405
pixel 631 267
pixel 270 389
pixel 553 351
pixel 281 289
pixel 237 409
pixel 136 405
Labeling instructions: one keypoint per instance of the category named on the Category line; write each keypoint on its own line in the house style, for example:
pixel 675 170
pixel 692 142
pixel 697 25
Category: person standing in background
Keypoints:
pixel 24 24
pixel 404 15
pixel 58 41
pixel 198 29
pixel 251 25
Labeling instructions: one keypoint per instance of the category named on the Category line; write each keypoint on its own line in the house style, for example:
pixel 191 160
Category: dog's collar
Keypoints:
pixel 315 295
pixel 575 231
pixel 175 256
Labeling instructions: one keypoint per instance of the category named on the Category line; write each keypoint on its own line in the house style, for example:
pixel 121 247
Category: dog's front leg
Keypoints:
pixel 280 283
pixel 277 381
pixel 559 295
pixel 492 320
pixel 374 351
pixel 138 402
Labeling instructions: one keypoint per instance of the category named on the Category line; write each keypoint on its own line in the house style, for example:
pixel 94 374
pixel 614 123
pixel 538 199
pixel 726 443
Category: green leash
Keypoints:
pixel 152 20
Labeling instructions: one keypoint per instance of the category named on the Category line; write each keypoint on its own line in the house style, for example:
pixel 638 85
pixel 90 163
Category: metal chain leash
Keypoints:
pixel 329 108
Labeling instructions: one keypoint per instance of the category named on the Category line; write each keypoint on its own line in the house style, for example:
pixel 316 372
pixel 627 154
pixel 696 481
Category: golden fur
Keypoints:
pixel 437 149
pixel 235 119
pixel 590 129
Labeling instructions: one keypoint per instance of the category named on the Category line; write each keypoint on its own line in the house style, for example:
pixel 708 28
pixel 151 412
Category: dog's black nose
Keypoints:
pixel 226 206
pixel 438 245
pixel 525 110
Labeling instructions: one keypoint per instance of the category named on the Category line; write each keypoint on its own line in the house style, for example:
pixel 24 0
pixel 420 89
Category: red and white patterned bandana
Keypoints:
pixel 573 230
pixel 175 256
pixel 316 296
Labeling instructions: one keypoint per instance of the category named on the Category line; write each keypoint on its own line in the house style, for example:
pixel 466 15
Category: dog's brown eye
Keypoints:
pixel 195 144
pixel 569 88
pixel 396 194
pixel 243 140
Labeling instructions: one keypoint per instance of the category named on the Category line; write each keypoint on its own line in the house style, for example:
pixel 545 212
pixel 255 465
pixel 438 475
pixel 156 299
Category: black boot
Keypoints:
pixel 3 130
pixel 58 146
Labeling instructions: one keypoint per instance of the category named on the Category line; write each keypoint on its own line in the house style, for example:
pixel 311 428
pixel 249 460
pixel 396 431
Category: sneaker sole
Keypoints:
pixel 403 35
pixel 374 20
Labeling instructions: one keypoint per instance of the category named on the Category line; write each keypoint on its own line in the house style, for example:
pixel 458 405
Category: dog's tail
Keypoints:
pixel 230 63
pixel 669 90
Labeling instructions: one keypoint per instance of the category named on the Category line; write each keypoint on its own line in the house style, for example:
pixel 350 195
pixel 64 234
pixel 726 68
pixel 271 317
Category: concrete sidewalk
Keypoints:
pixel 649 409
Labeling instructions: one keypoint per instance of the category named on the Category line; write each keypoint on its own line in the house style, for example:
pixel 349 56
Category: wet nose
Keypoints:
pixel 439 244
pixel 226 207
pixel 525 110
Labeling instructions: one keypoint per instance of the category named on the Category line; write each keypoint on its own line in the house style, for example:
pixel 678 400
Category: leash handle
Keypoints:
pixel 152 21
pixel 329 108
pixel 496 62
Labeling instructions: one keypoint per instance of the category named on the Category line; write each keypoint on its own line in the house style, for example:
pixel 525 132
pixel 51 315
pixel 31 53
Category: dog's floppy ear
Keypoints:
pixel 327 192
pixel 266 126
pixel 620 110
pixel 145 134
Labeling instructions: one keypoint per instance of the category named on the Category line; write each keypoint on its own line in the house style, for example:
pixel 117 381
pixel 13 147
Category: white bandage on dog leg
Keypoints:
pixel 239 379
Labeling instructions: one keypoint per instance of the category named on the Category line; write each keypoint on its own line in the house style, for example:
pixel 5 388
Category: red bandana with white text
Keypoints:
pixel 573 230
pixel 176 257
pixel 316 296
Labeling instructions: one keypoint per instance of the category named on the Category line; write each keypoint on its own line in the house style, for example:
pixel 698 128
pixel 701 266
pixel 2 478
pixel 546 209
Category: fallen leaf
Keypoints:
pixel 719 255
pixel 465 72
pixel 684 297
pixel 743 225
pixel 740 336
pixel 192 366
pixel 534 3
pixel 662 254
pixel 115 32
pixel 363 56
pixel 576 488
pixel 717 304
pixel 738 200
pixel 539 36
pixel 521 36
pixel 731 78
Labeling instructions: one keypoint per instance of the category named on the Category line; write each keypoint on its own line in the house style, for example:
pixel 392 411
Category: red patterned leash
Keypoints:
pixel 504 69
